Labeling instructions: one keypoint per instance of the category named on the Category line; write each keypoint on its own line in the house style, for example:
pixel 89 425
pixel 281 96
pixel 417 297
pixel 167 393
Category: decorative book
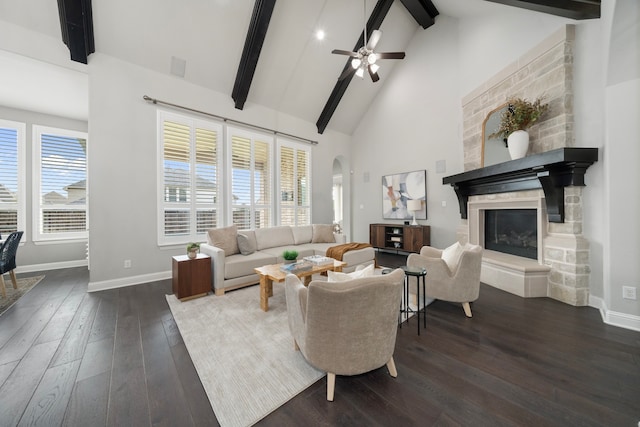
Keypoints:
pixel 296 267
pixel 319 260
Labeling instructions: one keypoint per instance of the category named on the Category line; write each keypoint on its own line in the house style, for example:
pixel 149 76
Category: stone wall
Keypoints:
pixel 546 70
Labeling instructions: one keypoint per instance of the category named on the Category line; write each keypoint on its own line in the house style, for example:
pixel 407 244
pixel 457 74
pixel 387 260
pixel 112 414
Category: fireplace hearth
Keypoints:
pixel 512 231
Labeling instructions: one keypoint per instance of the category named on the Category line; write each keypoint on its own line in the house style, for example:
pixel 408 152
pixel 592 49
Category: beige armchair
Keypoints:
pixel 346 328
pixel 453 274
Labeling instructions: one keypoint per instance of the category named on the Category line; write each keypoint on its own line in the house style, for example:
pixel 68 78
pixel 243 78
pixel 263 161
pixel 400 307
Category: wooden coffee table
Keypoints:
pixel 271 273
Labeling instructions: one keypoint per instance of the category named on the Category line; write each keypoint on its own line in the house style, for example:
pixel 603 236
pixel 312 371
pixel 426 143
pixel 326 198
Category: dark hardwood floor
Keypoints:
pixel 115 357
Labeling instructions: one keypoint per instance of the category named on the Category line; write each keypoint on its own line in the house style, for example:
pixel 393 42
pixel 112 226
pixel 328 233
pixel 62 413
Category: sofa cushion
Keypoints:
pixel 242 265
pixel 225 239
pixel 323 233
pixel 272 237
pixel 335 276
pixel 451 255
pixel 302 234
pixel 247 242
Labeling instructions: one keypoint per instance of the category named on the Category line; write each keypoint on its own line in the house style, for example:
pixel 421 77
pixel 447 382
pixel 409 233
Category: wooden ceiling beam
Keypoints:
pixel 574 9
pixel 262 11
pixel 76 24
pixel 374 22
pixel 423 11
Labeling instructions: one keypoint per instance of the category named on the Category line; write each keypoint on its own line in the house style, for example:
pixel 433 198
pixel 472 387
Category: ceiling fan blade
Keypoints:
pixel 390 55
pixel 346 73
pixel 374 76
pixel 374 39
pixel 345 52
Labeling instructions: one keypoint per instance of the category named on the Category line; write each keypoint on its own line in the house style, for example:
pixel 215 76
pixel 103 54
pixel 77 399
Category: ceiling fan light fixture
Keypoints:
pixel 363 59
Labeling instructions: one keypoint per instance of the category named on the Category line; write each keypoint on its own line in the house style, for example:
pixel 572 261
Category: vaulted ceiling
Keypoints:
pixel 261 52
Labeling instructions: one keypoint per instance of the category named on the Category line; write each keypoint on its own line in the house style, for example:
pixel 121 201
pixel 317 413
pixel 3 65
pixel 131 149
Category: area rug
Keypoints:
pixel 25 284
pixel 244 357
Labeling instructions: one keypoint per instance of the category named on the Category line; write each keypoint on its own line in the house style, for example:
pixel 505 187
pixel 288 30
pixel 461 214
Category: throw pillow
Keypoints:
pixel 224 238
pixel 334 276
pixel 246 245
pixel 451 255
pixel 323 233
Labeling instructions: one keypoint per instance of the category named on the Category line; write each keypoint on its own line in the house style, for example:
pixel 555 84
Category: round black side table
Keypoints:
pixel 418 273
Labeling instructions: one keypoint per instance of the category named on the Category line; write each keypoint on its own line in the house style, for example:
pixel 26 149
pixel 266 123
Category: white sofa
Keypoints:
pixel 235 253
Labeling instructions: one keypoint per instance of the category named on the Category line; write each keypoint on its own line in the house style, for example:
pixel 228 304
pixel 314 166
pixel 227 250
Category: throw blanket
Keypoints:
pixel 336 252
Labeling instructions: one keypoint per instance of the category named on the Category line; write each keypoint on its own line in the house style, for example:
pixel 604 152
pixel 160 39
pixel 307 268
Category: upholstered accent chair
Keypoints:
pixel 453 274
pixel 8 252
pixel 346 328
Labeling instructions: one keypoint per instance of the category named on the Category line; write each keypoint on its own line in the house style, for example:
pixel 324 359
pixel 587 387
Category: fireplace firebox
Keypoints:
pixel 512 231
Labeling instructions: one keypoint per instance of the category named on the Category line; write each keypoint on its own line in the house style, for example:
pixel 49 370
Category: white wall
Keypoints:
pixel 122 176
pixel 414 122
pixel 27 56
pixel 621 159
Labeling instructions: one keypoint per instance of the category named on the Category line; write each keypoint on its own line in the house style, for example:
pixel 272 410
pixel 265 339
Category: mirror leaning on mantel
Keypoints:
pixel 494 150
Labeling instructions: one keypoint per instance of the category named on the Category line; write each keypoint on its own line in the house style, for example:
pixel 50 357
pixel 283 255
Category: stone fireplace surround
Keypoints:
pixel 518 275
pixel 562 269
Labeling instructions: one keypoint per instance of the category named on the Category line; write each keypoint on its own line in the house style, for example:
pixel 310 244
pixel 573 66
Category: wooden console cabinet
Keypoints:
pixel 406 238
pixel 191 277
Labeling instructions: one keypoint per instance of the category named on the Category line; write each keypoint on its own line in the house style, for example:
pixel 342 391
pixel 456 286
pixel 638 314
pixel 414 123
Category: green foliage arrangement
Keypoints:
pixel 193 246
pixel 519 115
pixel 290 255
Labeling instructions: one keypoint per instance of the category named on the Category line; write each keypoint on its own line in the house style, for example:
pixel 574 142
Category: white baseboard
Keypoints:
pixel 615 318
pixel 128 281
pixel 51 266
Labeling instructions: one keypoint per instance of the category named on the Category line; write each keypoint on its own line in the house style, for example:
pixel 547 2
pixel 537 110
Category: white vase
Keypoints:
pixel 518 143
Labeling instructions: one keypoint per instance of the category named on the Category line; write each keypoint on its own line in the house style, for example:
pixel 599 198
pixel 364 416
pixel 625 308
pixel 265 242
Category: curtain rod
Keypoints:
pixel 226 119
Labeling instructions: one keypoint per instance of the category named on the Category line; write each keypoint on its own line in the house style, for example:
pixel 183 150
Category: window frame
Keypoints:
pixel 36 207
pixel 21 205
pixel 253 137
pixel 193 124
pixel 296 146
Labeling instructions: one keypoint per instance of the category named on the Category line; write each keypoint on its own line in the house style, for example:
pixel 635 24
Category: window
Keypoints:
pixel 251 182
pixel 206 181
pixel 12 163
pixel 188 170
pixel 294 202
pixel 59 184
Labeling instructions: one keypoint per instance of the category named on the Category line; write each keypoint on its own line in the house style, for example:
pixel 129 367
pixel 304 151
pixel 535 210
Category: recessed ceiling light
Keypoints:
pixel 320 35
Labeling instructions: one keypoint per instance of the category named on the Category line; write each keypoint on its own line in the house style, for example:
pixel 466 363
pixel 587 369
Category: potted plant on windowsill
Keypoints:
pixel 519 116
pixel 192 250
pixel 290 256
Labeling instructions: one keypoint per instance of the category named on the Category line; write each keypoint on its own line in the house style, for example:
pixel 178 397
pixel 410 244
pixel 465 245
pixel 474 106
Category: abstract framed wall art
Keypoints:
pixel 399 189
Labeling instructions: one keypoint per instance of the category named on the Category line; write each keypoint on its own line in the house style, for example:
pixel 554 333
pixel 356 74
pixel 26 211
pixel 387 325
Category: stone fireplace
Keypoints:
pixel 561 266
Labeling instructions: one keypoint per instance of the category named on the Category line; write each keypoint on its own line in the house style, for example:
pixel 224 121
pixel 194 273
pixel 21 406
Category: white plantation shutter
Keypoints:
pixel 177 178
pixel 188 169
pixel 287 186
pixel 251 180
pixel 206 179
pixel 295 191
pixel 12 198
pixel 60 184
pixel 262 184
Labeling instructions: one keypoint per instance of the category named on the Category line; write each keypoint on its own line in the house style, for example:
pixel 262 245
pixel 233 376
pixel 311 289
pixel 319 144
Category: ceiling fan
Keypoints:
pixel 365 58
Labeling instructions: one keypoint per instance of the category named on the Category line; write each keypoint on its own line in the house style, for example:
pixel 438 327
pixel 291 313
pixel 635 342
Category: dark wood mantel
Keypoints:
pixel 552 171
